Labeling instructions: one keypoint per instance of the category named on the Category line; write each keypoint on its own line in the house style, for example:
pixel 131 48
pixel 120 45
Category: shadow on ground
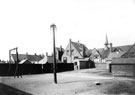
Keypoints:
pixel 7 90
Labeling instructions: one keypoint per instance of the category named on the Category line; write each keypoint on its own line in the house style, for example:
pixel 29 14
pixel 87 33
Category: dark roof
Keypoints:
pixel 100 52
pixel 95 53
pixel 106 53
pixel 88 53
pixel 114 55
pixel 28 57
pixel 20 56
pixel 130 53
pixel 122 48
pixel 79 46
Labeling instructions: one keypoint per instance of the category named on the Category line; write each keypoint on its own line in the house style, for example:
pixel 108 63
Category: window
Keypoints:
pixel 75 57
pixel 65 59
pixel 72 52
pixel 67 52
pixel 75 63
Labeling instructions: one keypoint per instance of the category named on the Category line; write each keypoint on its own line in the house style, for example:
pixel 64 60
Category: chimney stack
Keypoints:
pixel 35 54
pixel 26 55
pixel 70 47
pixel 83 51
pixel 110 47
pixel 46 54
pixel 60 48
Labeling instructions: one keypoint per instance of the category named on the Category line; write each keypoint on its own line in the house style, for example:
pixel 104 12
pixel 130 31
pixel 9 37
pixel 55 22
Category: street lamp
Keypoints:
pixel 53 26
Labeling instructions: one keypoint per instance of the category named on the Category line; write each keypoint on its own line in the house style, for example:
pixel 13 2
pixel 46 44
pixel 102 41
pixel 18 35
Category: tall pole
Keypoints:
pixel 17 62
pixel 53 26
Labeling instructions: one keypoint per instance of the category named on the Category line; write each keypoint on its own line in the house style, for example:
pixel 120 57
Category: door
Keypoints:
pixel 65 59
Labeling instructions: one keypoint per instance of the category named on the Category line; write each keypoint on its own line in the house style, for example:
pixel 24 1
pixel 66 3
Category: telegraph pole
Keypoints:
pixel 53 26
pixel 16 63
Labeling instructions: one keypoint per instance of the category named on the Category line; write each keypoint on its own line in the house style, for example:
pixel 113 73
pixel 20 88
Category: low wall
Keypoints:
pixel 121 69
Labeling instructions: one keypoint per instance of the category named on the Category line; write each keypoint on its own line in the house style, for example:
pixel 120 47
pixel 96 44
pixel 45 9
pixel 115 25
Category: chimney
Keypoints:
pixel 110 47
pixel 35 54
pixel 78 41
pixel 70 47
pixel 60 48
pixel 46 54
pixel 83 51
pixel 70 40
pixel 27 55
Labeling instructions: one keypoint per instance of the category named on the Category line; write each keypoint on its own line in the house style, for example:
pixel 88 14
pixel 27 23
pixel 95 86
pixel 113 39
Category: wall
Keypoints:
pixel 100 66
pixel 122 69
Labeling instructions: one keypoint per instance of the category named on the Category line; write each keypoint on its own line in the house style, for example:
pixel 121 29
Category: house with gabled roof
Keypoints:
pixel 76 53
pixel 99 55
pixel 74 50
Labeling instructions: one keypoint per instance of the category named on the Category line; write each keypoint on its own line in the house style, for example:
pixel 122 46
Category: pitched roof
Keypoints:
pixel 106 53
pixel 25 61
pixel 79 47
pixel 95 53
pixel 48 59
pixel 20 57
pixel 114 55
pixel 28 57
pixel 100 52
pixel 130 53
pixel 122 48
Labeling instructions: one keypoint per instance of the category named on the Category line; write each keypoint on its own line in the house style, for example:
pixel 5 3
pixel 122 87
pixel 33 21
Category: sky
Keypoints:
pixel 26 24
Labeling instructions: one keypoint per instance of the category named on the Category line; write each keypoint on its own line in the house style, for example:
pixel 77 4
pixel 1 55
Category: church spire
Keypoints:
pixel 106 42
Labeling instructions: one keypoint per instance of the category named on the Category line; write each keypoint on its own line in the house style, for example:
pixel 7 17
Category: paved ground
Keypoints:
pixel 81 82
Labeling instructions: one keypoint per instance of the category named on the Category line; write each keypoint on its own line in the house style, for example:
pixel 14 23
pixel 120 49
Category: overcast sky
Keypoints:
pixel 26 24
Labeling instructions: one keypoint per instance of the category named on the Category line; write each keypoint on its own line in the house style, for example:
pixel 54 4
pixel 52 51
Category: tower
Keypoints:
pixel 106 43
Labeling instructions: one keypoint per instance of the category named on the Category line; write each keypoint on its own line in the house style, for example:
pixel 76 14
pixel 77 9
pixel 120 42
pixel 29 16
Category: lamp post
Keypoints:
pixel 53 26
